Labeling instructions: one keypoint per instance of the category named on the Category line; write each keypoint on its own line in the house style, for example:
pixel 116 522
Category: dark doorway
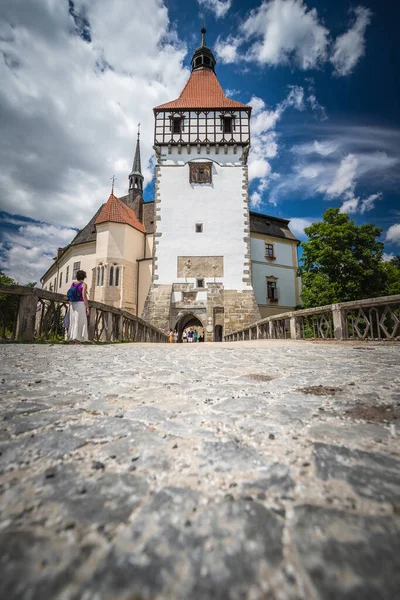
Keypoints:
pixel 190 322
pixel 218 333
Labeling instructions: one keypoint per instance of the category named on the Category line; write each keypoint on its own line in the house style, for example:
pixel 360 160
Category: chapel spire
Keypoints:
pixel 136 181
pixel 203 58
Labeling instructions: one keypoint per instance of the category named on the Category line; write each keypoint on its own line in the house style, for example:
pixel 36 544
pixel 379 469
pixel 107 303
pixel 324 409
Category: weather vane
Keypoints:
pixel 113 178
pixel 138 130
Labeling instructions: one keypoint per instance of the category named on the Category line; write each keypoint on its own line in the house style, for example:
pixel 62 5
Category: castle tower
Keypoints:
pixel 201 260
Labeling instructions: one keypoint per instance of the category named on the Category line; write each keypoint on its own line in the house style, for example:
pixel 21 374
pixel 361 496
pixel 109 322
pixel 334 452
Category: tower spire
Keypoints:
pixel 203 58
pixel 136 181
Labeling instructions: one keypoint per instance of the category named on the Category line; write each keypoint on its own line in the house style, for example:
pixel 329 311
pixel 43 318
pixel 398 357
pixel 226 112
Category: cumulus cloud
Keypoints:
pixel 74 87
pixel 343 182
pixel 298 225
pixel 218 7
pixel 28 252
pixel 227 50
pixel 280 32
pixel 350 46
pixel 264 145
pixel 287 32
pixel 393 234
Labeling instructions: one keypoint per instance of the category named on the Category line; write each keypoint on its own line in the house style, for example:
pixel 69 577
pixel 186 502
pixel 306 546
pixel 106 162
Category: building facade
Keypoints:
pixel 195 256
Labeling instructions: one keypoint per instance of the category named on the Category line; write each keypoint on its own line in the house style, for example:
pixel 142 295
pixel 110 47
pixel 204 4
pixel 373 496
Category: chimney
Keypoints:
pixel 59 252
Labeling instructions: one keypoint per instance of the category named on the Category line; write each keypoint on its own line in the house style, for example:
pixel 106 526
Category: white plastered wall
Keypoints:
pixel 219 207
pixel 83 253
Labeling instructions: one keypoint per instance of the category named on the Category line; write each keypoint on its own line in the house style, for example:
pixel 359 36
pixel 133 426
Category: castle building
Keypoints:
pixel 196 256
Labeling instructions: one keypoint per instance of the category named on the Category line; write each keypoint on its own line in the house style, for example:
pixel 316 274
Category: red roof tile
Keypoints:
pixel 203 90
pixel 117 212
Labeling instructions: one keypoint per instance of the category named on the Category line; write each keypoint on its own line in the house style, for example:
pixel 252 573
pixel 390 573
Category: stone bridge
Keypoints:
pixel 259 470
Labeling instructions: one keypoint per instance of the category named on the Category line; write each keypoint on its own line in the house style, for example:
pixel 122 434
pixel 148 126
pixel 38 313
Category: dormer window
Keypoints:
pixel 177 125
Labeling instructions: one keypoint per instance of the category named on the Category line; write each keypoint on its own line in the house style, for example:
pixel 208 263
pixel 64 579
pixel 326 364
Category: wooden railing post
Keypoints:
pixel 294 329
pixel 338 322
pixel 108 326
pixel 26 318
pixel 92 323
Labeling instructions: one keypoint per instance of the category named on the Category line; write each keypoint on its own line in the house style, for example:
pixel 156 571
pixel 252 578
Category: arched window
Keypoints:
pixel 98 276
pixel 111 276
pixel 102 276
pixel 117 276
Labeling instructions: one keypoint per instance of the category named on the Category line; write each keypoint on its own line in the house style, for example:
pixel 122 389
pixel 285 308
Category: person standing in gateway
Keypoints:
pixel 78 309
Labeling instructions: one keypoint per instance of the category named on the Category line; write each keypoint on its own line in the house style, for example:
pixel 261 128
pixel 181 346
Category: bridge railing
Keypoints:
pixel 374 318
pixel 29 313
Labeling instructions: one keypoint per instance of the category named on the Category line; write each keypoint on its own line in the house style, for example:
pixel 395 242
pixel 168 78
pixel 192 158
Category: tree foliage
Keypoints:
pixel 8 306
pixel 341 261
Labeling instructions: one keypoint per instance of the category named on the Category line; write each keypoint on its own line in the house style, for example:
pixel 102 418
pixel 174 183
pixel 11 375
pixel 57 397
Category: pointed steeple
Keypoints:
pixel 136 182
pixel 136 177
pixel 203 58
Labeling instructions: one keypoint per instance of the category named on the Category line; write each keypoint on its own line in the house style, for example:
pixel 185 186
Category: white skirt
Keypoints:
pixel 78 325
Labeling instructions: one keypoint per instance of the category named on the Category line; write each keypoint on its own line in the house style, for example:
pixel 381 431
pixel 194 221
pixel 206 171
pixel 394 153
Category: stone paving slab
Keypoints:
pixel 242 471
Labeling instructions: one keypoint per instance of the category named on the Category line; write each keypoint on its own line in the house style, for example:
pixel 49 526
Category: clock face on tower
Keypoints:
pixel 200 173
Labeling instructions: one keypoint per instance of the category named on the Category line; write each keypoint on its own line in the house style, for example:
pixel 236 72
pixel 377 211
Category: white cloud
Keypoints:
pixel 285 32
pixel 227 50
pixel 298 225
pixel 349 206
pixel 369 203
pixel 393 234
pixel 264 145
pixel 28 252
pixel 70 107
pixel 324 164
pixel 218 7
pixel 343 182
pixel 255 200
pixel 350 46
pixel 387 257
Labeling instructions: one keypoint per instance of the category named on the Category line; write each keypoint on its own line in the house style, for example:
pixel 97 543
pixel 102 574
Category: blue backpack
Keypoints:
pixel 74 293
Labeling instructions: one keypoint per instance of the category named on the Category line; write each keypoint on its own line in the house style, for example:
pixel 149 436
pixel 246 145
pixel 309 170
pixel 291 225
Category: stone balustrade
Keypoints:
pixel 33 313
pixel 373 318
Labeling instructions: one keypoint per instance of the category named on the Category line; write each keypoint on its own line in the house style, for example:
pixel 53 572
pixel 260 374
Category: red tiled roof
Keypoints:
pixel 117 212
pixel 203 90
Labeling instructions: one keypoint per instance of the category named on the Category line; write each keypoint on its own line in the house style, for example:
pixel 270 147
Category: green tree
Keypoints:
pixel 341 261
pixel 8 307
pixel 392 270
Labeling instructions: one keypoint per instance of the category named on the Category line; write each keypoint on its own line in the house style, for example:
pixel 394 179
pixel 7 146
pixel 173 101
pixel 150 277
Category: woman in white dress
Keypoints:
pixel 78 309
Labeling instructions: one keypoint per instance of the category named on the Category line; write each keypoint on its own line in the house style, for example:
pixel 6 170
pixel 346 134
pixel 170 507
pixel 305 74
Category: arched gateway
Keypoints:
pixel 187 321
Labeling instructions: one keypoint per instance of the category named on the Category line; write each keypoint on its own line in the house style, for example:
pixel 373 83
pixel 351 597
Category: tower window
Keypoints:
pixel 117 276
pixel 199 228
pixel 176 125
pixel 200 283
pixel 111 275
pixel 198 61
pixel 227 124
pixel 102 276
pixel 98 276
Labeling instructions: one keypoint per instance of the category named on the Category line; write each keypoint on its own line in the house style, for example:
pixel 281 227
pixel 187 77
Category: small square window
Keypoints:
pixel 200 283
pixel 199 228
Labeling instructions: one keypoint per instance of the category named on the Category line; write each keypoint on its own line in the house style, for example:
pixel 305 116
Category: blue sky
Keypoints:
pixel 322 78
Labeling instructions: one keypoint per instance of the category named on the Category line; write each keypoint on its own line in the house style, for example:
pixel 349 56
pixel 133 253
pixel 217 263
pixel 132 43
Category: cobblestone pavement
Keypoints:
pixel 224 472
